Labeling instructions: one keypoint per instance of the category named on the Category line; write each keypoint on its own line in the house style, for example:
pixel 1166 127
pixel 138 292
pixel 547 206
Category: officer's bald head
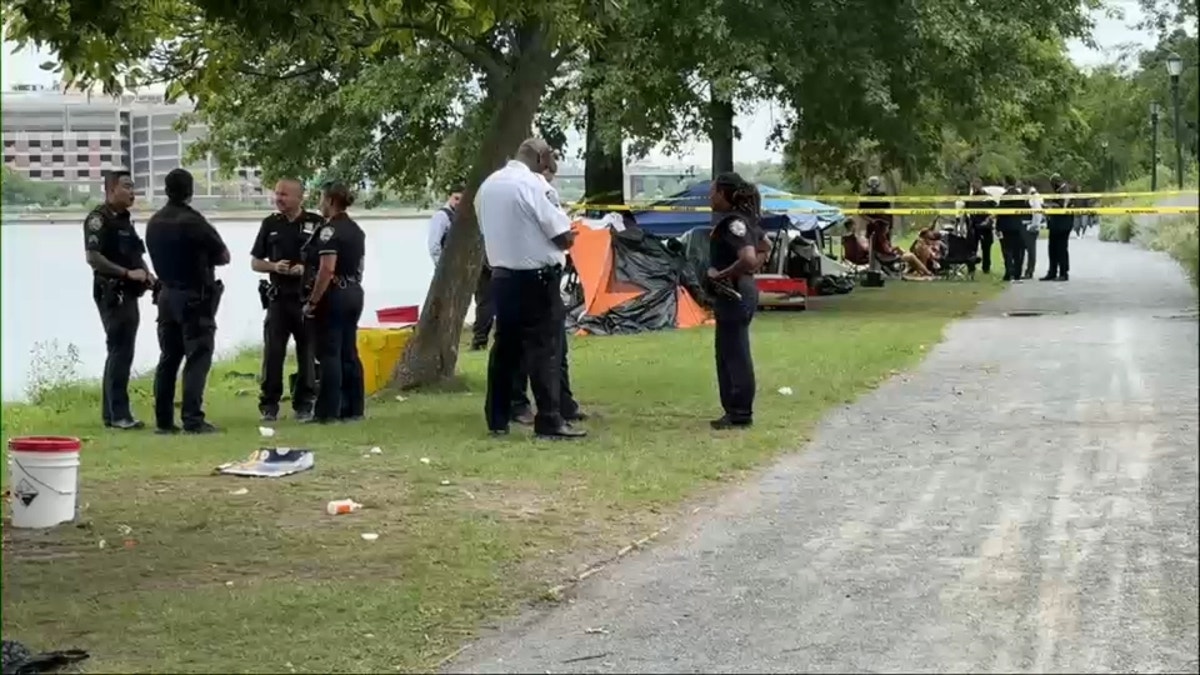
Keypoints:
pixel 537 154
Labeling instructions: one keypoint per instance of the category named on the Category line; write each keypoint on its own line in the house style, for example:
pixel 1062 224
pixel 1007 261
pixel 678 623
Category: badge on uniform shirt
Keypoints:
pixel 552 196
pixel 738 228
pixel 326 234
pixel 95 222
pixel 307 227
pixel 93 240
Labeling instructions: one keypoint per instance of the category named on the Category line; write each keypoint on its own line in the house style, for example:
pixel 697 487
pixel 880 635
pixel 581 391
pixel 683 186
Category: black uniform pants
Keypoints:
pixel 284 321
pixel 485 310
pixel 984 238
pixel 120 321
pixel 568 407
pixel 1012 246
pixel 529 334
pixel 735 366
pixel 187 330
pixel 1029 241
pixel 1060 254
pixel 341 393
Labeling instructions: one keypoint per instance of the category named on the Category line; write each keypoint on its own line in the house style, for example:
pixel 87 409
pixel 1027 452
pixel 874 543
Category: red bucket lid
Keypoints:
pixel 45 444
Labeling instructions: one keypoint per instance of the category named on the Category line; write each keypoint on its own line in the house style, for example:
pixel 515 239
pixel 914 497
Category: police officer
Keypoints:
pixel 1059 227
pixel 276 251
pixel 115 253
pixel 522 412
pixel 733 259
pixel 980 225
pixel 333 261
pixel 1009 227
pixel 185 248
pixel 526 236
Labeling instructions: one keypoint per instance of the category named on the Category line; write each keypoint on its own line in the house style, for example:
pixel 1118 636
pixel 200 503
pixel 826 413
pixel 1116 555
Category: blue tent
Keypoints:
pixel 776 205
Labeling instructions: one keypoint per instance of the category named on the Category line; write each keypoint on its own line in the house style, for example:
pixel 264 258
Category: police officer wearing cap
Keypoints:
pixel 733 258
pixel 333 261
pixel 1059 226
pixel 526 236
pixel 185 249
pixel 276 252
pixel 119 277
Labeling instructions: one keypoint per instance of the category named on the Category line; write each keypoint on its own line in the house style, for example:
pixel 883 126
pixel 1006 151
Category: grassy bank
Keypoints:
pixel 196 575
pixel 1175 235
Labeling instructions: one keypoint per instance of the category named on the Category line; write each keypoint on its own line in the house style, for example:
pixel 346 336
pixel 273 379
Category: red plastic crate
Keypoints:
pixel 406 314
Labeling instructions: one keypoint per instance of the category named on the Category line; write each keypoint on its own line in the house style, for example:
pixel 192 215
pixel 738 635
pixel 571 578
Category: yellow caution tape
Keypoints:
pixel 1096 211
pixel 928 199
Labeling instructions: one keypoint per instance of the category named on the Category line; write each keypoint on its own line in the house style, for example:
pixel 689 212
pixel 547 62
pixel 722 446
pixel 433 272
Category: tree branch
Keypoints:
pixel 476 51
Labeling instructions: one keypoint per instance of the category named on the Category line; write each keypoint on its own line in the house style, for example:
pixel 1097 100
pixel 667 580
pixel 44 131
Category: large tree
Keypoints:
pixel 401 94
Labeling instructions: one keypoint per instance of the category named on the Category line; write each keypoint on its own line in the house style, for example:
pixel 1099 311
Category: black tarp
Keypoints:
pixel 647 261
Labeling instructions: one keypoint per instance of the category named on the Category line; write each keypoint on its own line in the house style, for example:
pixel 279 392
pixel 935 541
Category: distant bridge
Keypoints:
pixel 635 178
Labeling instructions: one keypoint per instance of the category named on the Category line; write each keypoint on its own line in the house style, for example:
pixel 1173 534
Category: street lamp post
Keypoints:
pixel 1107 165
pixel 1154 111
pixel 1175 69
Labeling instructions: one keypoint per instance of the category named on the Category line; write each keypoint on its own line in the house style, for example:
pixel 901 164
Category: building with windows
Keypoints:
pixel 74 139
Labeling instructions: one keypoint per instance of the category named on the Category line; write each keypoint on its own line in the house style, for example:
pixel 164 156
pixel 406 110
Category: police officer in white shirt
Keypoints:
pixel 526 236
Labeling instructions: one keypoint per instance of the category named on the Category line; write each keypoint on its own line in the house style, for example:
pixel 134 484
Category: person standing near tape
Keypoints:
pixel 981 224
pixel 119 278
pixel 276 251
pixel 1033 231
pixel 1060 233
pixel 568 406
pixel 1009 227
pixel 733 259
pixel 526 237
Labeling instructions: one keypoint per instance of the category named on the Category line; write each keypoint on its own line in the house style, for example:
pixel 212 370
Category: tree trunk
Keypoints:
pixel 721 135
pixel 432 354
pixel 604 165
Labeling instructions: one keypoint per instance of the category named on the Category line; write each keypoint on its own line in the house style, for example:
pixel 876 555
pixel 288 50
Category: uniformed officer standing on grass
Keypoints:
pixel 120 277
pixel 185 248
pixel 733 260
pixel 276 251
pixel 526 236
pixel 334 259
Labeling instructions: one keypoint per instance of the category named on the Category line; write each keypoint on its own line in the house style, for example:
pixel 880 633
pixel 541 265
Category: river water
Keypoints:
pixel 47 296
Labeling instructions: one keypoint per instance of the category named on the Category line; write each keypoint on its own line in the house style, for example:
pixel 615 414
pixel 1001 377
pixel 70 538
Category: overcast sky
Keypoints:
pixel 1111 35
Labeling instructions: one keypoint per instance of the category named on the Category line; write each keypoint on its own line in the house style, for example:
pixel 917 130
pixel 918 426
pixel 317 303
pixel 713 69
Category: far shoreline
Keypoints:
pixel 77 217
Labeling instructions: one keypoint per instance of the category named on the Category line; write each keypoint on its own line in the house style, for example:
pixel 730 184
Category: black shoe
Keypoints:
pixel 268 414
pixel 724 423
pixel 577 416
pixel 167 431
pixel 566 432
pixel 126 425
pixel 302 415
pixel 478 346
pixel 524 418
pixel 1049 277
pixel 351 418
pixel 498 432
pixel 202 428
pixel 1064 277
pixel 313 419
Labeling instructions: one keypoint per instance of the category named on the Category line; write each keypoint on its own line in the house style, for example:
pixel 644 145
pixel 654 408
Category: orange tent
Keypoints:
pixel 629 283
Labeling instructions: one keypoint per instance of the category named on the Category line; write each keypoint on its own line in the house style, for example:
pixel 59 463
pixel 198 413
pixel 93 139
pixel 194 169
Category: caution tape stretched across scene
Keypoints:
pixel 1096 211
pixel 949 199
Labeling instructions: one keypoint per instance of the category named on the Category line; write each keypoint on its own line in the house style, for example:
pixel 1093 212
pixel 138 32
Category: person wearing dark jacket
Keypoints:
pixel 1009 227
pixel 184 248
pixel 1059 227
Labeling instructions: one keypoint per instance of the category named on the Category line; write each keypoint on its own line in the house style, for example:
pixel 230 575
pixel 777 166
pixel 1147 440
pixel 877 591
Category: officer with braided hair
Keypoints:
pixel 735 254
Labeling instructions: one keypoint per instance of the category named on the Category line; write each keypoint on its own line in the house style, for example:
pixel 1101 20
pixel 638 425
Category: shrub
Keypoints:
pixel 1118 228
pixel 1179 237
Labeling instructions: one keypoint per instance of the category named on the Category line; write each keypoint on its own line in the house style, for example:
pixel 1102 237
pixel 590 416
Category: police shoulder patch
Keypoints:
pixel 326 233
pixel 94 222
pixel 737 228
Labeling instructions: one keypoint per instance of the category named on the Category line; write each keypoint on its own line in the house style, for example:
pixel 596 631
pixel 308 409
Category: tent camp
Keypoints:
pixel 777 212
pixel 629 282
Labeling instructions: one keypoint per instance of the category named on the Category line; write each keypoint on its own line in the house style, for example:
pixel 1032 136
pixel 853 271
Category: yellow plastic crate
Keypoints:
pixel 380 349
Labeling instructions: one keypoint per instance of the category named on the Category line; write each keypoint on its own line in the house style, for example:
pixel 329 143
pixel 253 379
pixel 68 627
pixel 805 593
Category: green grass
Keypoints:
pixel 194 577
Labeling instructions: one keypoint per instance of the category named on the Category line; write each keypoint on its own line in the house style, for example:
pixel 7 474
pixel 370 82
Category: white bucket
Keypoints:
pixel 43 480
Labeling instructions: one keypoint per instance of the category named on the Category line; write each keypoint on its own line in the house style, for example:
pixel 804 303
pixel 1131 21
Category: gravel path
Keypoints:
pixel 1026 500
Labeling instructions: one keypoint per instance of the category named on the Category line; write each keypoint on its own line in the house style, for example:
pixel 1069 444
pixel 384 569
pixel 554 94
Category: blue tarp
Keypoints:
pixel 775 205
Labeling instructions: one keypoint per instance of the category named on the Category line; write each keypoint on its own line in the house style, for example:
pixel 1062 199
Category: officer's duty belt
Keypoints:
pixel 502 272
pixel 343 282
